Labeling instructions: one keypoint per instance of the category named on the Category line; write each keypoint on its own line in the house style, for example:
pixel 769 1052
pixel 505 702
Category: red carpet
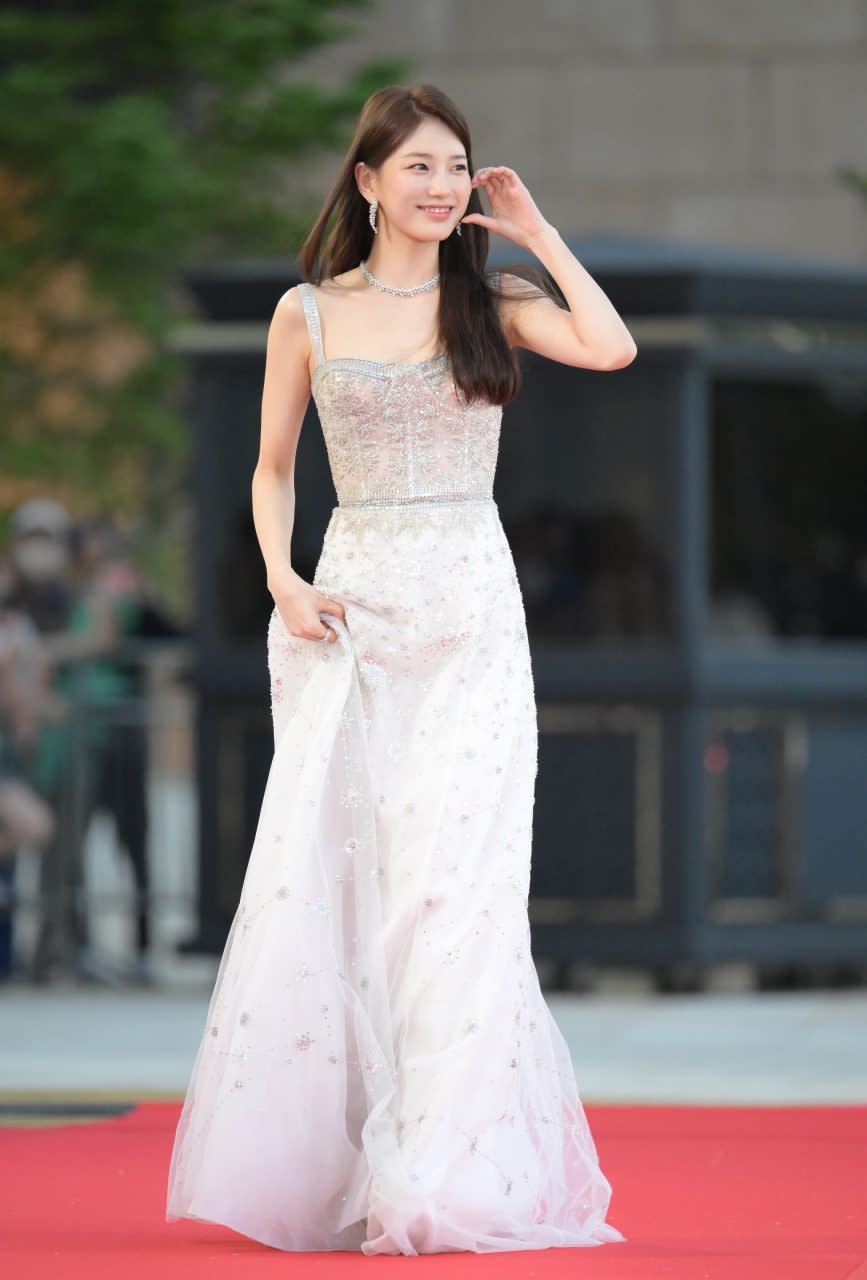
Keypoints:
pixel 703 1193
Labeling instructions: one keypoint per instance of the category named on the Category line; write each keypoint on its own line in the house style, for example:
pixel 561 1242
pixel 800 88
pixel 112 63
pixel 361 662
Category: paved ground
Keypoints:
pixel 627 1042
pixel 627 1045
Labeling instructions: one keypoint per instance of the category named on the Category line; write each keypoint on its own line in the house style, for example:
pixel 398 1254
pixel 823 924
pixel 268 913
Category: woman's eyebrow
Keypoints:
pixel 426 155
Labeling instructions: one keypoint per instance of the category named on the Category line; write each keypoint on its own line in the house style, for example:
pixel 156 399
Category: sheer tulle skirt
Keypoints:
pixel 379 1069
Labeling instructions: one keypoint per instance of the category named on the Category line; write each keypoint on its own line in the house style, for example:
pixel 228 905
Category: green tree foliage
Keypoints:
pixel 138 140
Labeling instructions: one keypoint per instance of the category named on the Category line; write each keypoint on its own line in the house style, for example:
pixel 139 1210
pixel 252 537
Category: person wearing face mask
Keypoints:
pixel 39 561
pixel 81 627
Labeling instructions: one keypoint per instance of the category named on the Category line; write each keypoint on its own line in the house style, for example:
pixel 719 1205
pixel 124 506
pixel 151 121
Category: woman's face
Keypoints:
pixel 428 170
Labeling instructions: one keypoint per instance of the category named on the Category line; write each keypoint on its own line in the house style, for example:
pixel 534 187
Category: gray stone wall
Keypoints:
pixel 708 121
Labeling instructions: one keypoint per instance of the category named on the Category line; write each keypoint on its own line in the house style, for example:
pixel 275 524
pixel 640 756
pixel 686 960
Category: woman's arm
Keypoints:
pixel 590 334
pixel 285 396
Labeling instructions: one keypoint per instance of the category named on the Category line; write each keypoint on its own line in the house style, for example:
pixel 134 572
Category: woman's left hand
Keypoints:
pixel 514 213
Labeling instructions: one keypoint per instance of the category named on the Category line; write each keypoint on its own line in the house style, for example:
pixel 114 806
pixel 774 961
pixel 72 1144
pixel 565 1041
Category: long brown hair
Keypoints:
pixel 483 364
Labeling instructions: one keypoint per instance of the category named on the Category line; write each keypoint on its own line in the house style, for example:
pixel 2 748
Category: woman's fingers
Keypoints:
pixel 331 606
pixel 326 605
pixel 309 630
pixel 499 175
pixel 304 626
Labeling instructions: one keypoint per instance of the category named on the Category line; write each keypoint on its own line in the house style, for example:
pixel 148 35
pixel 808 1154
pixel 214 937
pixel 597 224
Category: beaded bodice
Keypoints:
pixel 399 431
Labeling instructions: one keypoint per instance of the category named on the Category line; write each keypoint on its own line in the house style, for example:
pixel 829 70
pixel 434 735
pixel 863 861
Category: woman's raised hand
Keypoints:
pixel 514 213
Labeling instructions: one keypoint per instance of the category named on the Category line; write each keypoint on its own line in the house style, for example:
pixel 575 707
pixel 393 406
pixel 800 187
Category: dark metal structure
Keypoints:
pixel 690 534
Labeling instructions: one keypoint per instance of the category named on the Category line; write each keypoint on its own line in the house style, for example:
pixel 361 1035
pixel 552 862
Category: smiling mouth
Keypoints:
pixel 436 208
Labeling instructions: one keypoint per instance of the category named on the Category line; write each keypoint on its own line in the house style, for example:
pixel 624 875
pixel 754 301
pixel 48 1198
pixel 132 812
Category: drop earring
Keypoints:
pixel 458 228
pixel 374 202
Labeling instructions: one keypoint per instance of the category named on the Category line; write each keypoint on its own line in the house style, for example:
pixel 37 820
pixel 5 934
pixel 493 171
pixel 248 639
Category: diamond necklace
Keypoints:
pixel 393 288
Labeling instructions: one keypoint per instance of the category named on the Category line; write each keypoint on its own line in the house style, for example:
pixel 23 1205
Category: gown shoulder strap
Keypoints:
pixel 311 315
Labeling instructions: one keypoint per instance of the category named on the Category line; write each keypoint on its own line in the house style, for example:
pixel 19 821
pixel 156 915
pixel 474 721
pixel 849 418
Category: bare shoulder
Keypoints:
pixel 289 309
pixel 288 338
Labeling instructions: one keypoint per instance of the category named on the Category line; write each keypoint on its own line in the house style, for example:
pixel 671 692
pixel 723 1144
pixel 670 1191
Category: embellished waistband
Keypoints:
pixel 420 500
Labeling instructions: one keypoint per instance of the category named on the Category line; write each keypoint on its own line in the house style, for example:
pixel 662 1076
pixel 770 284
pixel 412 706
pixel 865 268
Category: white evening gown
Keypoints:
pixel 379 1069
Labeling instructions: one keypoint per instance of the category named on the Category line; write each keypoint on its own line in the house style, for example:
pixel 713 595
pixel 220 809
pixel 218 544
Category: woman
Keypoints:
pixel 379 1069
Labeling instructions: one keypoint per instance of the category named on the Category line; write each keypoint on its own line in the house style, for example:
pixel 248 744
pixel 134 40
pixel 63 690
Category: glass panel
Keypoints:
pixel 580 487
pixel 789 517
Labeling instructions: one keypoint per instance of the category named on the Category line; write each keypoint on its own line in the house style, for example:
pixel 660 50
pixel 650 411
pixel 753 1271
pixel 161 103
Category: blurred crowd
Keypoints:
pixel 73 740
